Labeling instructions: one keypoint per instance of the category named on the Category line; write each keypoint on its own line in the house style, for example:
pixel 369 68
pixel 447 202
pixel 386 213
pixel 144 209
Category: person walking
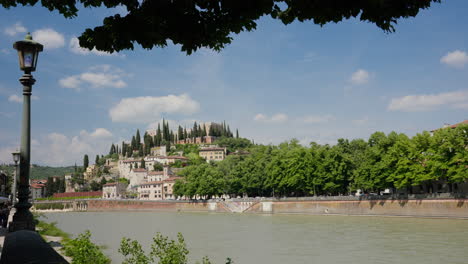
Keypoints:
pixel 3 220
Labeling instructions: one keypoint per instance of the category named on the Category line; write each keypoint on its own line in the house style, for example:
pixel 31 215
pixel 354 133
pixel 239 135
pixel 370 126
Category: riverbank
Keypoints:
pixel 444 208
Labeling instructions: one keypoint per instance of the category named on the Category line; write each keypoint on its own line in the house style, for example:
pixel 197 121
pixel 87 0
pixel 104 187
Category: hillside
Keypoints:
pixel 42 172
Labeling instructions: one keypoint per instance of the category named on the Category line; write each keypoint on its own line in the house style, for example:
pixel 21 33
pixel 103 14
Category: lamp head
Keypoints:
pixel 28 52
pixel 16 156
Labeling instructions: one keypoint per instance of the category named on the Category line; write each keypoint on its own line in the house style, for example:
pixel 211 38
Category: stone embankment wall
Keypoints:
pixel 453 208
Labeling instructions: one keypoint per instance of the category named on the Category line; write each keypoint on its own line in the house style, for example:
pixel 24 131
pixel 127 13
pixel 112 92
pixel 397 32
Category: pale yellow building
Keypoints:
pixel 212 153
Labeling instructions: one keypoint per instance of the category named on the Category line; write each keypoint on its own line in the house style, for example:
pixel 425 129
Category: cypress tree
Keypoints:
pixel 195 129
pixel 237 133
pixel 180 133
pixel 138 138
pixel 134 145
pixel 85 161
pixel 168 146
pixel 97 160
pixel 140 151
pixel 211 131
pixel 158 136
pixel 143 164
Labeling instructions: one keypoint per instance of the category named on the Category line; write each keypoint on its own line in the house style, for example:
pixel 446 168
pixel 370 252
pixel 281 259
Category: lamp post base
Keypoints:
pixel 23 219
pixel 24 225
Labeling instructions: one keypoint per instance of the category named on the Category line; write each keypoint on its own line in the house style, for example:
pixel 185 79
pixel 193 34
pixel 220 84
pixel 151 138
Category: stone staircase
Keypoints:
pixel 238 207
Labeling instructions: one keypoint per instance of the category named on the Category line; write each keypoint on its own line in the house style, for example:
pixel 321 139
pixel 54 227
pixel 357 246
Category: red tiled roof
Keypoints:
pixel 77 194
pixel 172 179
pixel 139 170
pixel 152 182
pixel 211 149
pixel 177 157
pixel 156 173
pixel 461 123
pixel 37 186
pixel 110 184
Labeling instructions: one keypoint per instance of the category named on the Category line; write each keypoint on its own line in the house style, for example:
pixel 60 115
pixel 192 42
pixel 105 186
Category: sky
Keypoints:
pixel 303 81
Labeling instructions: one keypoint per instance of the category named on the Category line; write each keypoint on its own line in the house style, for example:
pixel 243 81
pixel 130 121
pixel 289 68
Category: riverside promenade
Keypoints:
pixel 444 206
pixel 13 246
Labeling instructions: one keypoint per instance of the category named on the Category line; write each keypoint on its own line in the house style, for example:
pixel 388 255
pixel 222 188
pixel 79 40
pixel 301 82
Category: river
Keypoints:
pixel 291 239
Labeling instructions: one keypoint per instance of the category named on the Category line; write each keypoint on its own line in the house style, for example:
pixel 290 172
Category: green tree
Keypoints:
pixel 83 251
pixel 233 144
pixel 212 24
pixel 157 167
pixel 143 164
pixel 163 251
pixel 96 161
pixel 85 161
pixel 137 139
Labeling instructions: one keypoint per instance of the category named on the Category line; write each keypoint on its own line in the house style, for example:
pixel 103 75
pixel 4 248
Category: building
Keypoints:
pixel 168 185
pixel 137 176
pixel 114 190
pixel 158 151
pixel 126 166
pixel 37 188
pixel 465 122
pixel 90 172
pixel 213 153
pixel 158 186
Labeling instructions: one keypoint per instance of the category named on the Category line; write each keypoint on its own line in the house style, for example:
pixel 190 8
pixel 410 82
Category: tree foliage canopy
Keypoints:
pixel 210 23
pixel 290 169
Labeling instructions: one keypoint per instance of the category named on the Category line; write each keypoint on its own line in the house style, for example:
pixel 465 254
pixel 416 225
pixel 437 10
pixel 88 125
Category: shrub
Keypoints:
pixel 83 251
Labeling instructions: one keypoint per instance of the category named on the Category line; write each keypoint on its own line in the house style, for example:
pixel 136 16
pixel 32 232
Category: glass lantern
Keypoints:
pixel 28 51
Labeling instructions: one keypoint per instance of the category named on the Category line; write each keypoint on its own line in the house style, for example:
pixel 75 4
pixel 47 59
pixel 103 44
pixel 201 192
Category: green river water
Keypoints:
pixel 250 238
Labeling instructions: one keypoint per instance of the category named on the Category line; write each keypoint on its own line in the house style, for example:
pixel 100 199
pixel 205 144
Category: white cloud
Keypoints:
pixel 72 82
pixel 15 29
pixel 4 51
pixel 360 122
pixel 276 118
pixel 456 59
pixel 317 119
pixel 6 114
pixel 74 46
pixel 427 102
pixel 17 99
pixel 50 38
pixel 360 77
pixel 148 108
pixel 56 149
pixel 101 76
pixel 260 117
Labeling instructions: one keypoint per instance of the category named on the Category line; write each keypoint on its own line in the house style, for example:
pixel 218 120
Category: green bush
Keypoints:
pixel 83 251
pixel 51 229
pixel 49 206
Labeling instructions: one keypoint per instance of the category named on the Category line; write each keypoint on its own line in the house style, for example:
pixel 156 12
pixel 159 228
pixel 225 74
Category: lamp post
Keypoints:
pixel 16 158
pixel 28 51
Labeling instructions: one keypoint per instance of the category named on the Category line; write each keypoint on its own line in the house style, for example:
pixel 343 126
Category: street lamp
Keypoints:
pixel 16 158
pixel 28 52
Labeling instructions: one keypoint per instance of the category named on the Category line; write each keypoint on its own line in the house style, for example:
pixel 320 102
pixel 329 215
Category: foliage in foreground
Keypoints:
pixel 163 251
pixel 83 251
pixel 51 229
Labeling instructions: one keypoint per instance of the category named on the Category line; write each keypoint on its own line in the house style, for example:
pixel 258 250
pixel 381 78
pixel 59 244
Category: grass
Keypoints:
pixel 49 229
pixel 48 206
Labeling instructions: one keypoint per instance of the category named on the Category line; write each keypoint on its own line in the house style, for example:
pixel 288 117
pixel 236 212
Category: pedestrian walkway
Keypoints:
pixel 4 231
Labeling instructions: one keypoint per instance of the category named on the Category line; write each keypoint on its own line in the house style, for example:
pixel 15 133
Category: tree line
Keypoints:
pixel 165 137
pixel 393 161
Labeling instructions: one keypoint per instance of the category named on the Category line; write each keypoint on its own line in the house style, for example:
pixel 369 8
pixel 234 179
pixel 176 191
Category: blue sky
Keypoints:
pixel 279 82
